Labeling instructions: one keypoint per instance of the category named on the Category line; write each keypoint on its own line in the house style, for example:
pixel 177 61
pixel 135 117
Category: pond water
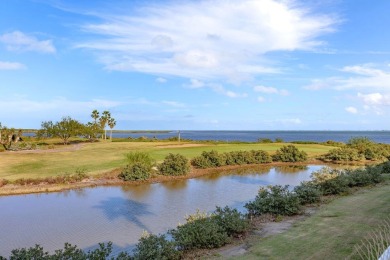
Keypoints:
pixel 87 216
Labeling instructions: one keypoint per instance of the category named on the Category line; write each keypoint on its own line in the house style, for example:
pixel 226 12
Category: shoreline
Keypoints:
pixel 111 179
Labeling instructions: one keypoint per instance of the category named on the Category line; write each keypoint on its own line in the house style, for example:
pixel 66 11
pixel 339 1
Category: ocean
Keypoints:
pixel 253 136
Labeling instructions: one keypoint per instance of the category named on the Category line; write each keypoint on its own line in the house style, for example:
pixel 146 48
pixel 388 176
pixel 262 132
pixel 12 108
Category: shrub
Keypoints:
pixel 232 221
pixel 275 200
pixel 279 140
pixel 289 153
pixel 139 166
pixel 308 193
pixel 239 158
pixel 209 159
pixel 260 156
pixel 174 165
pixel 343 154
pixel 200 233
pixel 155 247
pixel 330 181
pixel 139 157
pixel 363 177
pixel 264 140
pixel 135 171
pixel 69 252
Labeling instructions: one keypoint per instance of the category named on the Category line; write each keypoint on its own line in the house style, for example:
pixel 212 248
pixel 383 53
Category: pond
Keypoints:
pixel 85 217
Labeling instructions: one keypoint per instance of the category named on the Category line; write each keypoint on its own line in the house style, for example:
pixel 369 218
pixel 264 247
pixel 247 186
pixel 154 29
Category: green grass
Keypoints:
pixel 332 232
pixel 101 157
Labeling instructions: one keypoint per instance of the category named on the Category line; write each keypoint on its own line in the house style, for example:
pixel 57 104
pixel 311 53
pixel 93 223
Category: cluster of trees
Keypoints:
pixel 8 136
pixel 69 127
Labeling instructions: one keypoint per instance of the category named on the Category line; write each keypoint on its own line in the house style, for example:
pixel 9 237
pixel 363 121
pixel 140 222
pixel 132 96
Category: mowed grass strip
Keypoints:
pixel 95 158
pixel 332 232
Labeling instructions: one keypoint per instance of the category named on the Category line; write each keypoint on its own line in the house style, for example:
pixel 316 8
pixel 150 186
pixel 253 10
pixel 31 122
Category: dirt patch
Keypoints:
pixel 68 148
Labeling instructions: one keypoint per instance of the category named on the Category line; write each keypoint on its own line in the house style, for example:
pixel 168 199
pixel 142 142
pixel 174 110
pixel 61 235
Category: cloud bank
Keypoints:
pixel 205 39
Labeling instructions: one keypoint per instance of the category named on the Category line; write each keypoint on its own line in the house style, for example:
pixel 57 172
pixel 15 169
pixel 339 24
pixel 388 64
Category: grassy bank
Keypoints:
pixel 100 157
pixel 332 232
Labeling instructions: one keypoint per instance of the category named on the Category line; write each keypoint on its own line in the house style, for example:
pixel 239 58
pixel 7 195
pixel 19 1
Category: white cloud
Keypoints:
pixel 18 41
pixel 5 65
pixel 270 90
pixel 161 80
pixel 205 39
pixel 218 88
pixel 173 103
pixel 195 83
pixel 351 110
pixel 363 77
pixel 260 99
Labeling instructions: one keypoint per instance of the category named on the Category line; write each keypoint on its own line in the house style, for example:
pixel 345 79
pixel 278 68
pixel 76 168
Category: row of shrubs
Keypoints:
pixel 141 166
pixel 211 159
pixel 278 200
pixel 214 230
pixel 357 149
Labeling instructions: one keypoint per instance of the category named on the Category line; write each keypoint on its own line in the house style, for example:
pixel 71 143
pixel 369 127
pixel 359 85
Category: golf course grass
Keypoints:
pixel 100 157
pixel 333 232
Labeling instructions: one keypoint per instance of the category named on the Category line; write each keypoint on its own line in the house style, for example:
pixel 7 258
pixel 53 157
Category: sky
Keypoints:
pixel 197 65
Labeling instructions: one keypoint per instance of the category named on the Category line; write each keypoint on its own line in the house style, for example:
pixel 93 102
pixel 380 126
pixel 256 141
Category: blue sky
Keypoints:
pixel 197 65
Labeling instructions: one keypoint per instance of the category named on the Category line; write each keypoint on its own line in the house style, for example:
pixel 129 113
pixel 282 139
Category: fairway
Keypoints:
pixel 100 157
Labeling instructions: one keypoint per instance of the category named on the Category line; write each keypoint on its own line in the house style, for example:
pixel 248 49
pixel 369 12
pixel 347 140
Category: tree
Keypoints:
pixel 111 124
pixel 95 115
pixel 63 129
pixel 103 120
pixel 9 136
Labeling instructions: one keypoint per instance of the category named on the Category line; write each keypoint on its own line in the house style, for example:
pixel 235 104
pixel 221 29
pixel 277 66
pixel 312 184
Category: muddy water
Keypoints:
pixel 119 214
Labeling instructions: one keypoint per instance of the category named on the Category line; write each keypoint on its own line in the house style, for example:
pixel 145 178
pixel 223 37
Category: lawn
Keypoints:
pixel 99 157
pixel 332 232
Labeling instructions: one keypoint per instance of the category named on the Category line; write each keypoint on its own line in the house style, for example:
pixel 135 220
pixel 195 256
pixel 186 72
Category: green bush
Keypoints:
pixel 276 200
pixel 233 222
pixel 308 193
pixel 69 252
pixel 260 156
pixel 279 140
pixel 209 160
pixel 215 159
pixel 139 157
pixel 264 140
pixel 155 247
pixel 289 153
pixel 343 154
pixel 174 165
pixel 200 233
pixel 139 166
pixel 363 177
pixel 135 171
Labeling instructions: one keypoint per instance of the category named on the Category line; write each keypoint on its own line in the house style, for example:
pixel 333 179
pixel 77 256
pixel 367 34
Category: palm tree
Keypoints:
pixel 103 121
pixel 111 124
pixel 95 115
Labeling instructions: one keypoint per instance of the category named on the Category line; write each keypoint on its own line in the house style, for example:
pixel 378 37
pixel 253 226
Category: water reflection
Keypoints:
pixel 291 168
pixel 118 207
pixel 85 217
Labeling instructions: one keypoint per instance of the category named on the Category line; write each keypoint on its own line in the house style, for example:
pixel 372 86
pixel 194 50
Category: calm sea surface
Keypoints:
pixel 119 214
pixel 252 136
